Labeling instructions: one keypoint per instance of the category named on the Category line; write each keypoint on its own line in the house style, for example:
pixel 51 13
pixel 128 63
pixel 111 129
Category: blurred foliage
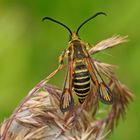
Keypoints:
pixel 29 48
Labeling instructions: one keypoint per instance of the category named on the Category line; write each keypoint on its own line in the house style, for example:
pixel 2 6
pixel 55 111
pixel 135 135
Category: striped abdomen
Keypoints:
pixel 81 81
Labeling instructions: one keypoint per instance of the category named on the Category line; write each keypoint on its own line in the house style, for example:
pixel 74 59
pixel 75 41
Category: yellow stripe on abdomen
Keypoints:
pixel 81 81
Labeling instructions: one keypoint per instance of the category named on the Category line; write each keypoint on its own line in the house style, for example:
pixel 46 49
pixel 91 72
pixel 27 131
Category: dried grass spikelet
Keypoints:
pixel 38 117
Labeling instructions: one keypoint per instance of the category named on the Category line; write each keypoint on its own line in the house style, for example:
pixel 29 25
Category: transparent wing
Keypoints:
pixel 66 100
pixel 105 94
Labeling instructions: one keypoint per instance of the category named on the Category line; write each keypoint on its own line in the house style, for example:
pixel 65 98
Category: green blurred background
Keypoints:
pixel 29 48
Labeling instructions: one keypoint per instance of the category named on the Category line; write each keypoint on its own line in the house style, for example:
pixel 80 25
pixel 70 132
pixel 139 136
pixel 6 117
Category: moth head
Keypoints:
pixel 74 36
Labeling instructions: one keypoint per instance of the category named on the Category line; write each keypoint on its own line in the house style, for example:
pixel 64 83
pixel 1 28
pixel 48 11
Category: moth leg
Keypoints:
pixel 89 46
pixel 61 57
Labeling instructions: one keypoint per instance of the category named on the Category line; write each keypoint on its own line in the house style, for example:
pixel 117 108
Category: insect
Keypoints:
pixel 81 71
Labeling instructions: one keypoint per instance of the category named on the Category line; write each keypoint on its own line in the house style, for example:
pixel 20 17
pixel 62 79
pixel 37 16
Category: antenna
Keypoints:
pixel 99 13
pixel 51 19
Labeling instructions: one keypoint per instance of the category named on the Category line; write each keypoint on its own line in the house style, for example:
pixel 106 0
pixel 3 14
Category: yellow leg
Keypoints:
pixel 61 57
